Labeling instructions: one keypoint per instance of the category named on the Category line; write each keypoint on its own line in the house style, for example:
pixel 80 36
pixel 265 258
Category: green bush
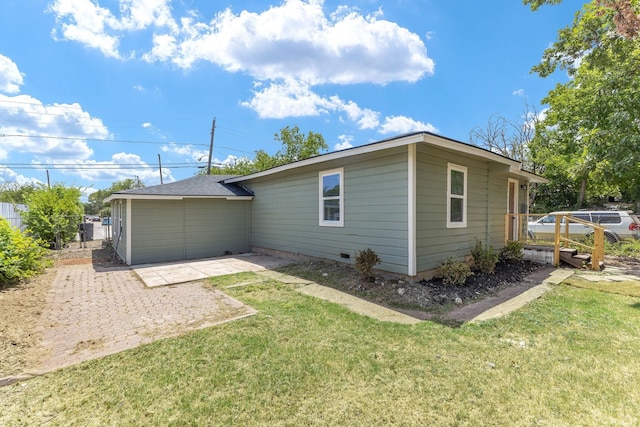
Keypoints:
pixel 20 255
pixel 53 214
pixel 484 260
pixel 365 261
pixel 512 252
pixel 453 272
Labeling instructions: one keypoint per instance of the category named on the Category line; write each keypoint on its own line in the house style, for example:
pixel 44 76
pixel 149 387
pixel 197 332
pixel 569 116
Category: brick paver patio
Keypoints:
pixel 92 313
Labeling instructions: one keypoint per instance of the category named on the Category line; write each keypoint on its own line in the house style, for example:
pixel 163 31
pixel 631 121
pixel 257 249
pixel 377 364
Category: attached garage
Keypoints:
pixel 195 218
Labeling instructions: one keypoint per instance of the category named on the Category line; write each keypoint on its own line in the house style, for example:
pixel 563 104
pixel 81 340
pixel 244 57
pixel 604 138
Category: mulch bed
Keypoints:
pixel 427 299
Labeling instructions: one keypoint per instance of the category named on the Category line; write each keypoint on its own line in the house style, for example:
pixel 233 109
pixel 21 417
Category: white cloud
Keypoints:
pixel 146 125
pixel 293 98
pixel 139 88
pixel 57 131
pixel 345 143
pixel 289 98
pixel 10 76
pixel 85 22
pixel 121 166
pixel 293 40
pixel 297 40
pixel 518 92
pixel 183 150
pixel 8 175
pixel 403 124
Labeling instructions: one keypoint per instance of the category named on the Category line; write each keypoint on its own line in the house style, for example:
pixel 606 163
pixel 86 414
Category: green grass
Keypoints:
pixel 629 288
pixel 626 247
pixel 570 358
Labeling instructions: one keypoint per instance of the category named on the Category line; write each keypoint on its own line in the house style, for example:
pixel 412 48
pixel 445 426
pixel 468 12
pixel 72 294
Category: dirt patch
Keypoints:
pixel 21 306
pixel 630 265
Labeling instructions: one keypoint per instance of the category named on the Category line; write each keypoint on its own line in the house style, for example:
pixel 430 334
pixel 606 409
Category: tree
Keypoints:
pixel 511 138
pixel 591 127
pixel 298 147
pixel 295 146
pixel 95 205
pixel 12 192
pixel 53 214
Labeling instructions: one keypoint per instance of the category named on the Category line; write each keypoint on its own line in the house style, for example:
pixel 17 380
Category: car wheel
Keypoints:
pixel 611 237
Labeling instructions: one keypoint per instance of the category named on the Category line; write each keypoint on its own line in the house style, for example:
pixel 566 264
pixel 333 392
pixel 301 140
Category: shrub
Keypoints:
pixel 20 256
pixel 365 261
pixel 453 272
pixel 512 252
pixel 54 213
pixel 484 260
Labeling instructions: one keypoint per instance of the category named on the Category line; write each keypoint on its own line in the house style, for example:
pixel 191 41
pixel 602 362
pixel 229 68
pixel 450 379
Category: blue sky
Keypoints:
pixel 94 90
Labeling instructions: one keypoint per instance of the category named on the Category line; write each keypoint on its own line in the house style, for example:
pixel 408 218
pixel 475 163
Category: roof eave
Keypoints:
pixel 121 196
pixel 528 176
pixel 415 138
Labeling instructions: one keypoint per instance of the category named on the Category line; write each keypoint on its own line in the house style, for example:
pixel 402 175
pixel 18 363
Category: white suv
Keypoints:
pixel 618 225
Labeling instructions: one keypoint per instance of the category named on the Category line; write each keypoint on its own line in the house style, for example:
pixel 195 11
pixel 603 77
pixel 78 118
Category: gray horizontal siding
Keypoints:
pixel 157 232
pixel 169 230
pixel 213 227
pixel 486 206
pixel 285 211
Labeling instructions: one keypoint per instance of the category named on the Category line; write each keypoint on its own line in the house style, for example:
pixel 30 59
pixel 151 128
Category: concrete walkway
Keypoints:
pixel 188 271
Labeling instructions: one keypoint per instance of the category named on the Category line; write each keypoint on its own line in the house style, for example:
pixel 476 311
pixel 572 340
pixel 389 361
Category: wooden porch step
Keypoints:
pixel 572 257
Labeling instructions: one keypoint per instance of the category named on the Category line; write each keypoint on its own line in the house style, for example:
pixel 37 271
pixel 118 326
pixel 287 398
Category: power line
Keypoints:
pixel 104 167
pixel 79 138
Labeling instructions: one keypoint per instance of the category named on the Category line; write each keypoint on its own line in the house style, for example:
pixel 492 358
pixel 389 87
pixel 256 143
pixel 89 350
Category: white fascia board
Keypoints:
pixel 154 197
pixel 410 139
pixel 239 198
pixel 531 177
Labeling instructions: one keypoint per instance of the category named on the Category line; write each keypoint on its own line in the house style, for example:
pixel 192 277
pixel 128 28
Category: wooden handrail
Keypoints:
pixel 562 236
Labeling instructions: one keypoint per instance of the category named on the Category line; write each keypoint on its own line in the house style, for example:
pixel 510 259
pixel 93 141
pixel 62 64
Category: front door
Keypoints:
pixel 512 210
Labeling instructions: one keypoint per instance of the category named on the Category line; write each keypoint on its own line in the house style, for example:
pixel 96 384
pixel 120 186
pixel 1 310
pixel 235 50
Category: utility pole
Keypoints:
pixel 213 128
pixel 160 164
pixel 48 180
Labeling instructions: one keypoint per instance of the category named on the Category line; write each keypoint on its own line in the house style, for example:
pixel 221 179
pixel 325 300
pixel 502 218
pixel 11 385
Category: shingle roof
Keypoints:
pixel 197 186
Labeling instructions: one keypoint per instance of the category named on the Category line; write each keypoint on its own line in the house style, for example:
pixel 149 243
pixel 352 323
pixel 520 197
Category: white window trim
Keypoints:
pixel 340 198
pixel 463 223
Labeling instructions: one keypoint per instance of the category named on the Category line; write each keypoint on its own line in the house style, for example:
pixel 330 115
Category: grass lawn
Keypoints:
pixel 570 358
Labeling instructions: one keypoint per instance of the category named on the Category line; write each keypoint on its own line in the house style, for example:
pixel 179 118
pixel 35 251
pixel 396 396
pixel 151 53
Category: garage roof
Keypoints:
pixel 200 186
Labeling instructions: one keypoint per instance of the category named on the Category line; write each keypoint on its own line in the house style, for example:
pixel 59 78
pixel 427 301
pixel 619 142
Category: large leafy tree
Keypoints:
pixel 295 146
pixel 53 214
pixel 590 136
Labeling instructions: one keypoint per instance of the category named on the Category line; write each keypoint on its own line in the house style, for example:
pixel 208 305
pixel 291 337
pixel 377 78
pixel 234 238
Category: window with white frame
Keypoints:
pixel 456 196
pixel 332 198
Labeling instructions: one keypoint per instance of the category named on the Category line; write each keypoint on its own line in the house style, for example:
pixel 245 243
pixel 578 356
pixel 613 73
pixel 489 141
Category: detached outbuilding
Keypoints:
pixel 198 217
pixel 416 200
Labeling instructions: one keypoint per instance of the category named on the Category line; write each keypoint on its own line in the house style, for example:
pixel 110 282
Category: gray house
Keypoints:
pixel 416 200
